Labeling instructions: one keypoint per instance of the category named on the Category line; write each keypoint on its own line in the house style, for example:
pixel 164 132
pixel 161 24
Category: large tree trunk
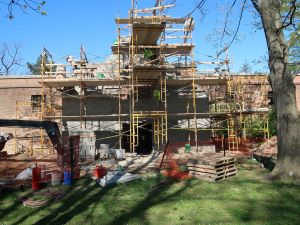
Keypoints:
pixel 284 91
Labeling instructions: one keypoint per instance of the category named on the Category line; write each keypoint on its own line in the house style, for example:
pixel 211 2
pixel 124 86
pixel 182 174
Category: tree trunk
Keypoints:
pixel 284 91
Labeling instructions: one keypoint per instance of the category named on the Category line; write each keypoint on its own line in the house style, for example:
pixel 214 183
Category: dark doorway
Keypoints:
pixel 126 137
pixel 145 139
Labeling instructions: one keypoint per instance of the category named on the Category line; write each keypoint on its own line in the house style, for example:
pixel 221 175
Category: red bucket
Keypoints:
pixel 99 172
pixel 36 179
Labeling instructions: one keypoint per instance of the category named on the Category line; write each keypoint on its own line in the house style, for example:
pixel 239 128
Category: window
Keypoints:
pixel 36 101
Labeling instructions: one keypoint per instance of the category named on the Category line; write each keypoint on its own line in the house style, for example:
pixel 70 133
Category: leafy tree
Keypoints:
pixel 276 17
pixel 36 68
pixel 24 5
pixel 281 25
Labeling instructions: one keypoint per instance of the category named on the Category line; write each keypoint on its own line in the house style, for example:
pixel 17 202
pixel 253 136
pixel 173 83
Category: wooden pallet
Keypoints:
pixel 219 178
pixel 212 171
pixel 212 168
pixel 213 161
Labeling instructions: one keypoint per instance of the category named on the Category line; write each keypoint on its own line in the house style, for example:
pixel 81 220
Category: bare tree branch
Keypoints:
pixel 290 16
pixel 199 6
pixel 226 20
pixel 236 31
pixel 9 58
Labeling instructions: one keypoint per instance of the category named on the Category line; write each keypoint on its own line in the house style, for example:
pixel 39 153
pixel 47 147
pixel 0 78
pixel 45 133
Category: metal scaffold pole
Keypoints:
pixel 119 81
pixel 194 89
pixel 43 98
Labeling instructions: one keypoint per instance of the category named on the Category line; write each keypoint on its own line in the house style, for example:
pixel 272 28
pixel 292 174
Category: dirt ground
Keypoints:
pixel 12 165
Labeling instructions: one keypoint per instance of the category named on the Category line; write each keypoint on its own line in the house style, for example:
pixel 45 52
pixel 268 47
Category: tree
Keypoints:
pixel 35 68
pixel 275 21
pixel 279 17
pixel 295 58
pixel 9 58
pixel 24 6
pixel 246 67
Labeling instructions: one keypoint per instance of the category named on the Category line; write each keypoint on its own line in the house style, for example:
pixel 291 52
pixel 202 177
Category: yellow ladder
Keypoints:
pixel 134 132
pixel 233 144
pixel 230 89
pixel 163 89
pixel 164 129
pixel 157 131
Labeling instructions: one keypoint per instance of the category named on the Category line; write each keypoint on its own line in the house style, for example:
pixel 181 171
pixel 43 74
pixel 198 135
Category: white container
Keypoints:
pixel 104 146
pixel 104 153
pixel 120 153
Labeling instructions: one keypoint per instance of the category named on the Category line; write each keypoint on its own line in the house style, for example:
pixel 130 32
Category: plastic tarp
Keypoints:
pixel 25 174
pixel 117 178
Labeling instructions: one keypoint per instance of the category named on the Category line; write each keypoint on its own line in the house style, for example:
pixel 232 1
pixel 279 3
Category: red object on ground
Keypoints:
pixel 99 172
pixel 36 179
pixel 178 175
pixel 171 168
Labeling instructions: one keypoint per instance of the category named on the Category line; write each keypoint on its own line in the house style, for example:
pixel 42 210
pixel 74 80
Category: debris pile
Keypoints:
pixel 268 148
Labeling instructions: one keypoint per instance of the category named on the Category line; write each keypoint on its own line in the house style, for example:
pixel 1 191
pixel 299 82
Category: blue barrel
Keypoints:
pixel 67 178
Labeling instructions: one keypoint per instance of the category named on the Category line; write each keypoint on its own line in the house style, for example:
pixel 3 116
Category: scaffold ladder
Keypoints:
pixel 232 138
pixel 164 129
pixel 156 132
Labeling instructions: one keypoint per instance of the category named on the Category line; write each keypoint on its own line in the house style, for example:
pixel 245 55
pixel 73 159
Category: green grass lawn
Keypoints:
pixel 247 198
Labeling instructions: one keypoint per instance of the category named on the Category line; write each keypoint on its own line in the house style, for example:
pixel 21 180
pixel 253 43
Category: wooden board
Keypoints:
pixel 151 19
pixel 213 161
pixel 221 174
pixel 146 34
pixel 211 170
pixel 164 49
pixel 72 82
pixel 223 177
pixel 213 167
pixel 214 175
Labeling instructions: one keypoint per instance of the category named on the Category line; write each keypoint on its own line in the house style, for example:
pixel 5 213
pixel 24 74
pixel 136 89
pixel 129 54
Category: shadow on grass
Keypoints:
pixel 155 197
pixel 280 202
pixel 4 195
pixel 73 204
pixel 78 203
pixel 268 163
pixel 267 201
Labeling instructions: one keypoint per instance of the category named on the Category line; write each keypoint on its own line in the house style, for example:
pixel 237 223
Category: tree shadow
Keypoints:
pixel 266 161
pixel 279 206
pixel 4 194
pixel 62 215
pixel 154 197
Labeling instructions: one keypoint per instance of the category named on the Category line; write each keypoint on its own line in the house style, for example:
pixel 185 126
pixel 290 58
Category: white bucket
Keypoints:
pixel 120 153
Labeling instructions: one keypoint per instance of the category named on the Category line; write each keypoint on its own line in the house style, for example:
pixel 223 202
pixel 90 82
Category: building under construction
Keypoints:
pixel 147 93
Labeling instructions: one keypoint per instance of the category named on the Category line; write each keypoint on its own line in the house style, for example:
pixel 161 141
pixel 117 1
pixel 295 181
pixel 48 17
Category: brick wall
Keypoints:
pixel 297 83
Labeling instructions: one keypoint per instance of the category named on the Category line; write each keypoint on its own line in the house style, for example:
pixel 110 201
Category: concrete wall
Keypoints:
pixel 107 106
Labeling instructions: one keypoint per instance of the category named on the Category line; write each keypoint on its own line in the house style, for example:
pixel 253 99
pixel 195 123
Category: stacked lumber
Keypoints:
pixel 212 168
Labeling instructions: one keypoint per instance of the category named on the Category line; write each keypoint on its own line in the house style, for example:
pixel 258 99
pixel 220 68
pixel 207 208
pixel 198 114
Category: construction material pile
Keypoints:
pixel 212 167
pixel 267 149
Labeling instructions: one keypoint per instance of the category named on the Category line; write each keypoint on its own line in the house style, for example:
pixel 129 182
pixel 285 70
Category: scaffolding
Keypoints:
pixel 34 141
pixel 153 57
